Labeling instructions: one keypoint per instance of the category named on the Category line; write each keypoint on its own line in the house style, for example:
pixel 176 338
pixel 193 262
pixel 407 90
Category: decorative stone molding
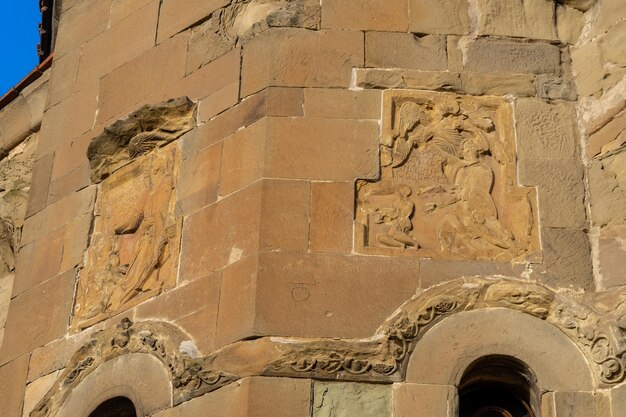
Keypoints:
pixel 448 186
pixel 596 329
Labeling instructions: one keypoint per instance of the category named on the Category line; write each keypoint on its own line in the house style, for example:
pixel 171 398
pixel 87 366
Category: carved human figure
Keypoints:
pixel 474 226
pixel 398 217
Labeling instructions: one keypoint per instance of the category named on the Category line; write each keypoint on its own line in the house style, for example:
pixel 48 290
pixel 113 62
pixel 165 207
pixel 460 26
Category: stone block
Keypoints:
pixel 69 184
pixel 342 104
pixel 344 399
pixel 478 84
pixel 496 55
pixel 300 58
pixel 405 50
pixel 123 8
pixel 312 295
pixel 561 190
pixel 322 149
pixel 75 241
pixel 63 77
pixel 123 41
pixel 206 44
pixel 332 217
pixel 269 102
pixel 413 79
pixel 568 404
pixel 587 63
pixel 546 131
pixel 38 261
pixel 12 383
pixel 177 15
pixel 436 271
pixel 285 216
pixel 16 122
pixel 36 390
pixel 72 155
pixel 524 19
pixel 612 256
pixel 57 129
pixel 416 400
pixel 219 101
pixel 58 214
pixel 40 183
pixel 609 14
pixel 243 157
pixel 381 15
pixel 618 400
pixel 38 316
pixel 441 17
pixel 80 23
pixel 6 287
pixel 607 185
pixel 199 179
pixel 607 134
pixel 122 90
pixel 567 258
pixel 556 88
pixel 197 299
pixel 569 23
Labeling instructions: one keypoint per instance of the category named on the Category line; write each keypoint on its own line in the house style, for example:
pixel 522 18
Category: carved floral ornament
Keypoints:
pixel 597 329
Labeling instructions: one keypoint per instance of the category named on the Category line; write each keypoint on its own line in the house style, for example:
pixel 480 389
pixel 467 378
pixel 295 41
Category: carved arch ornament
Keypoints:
pixel 382 358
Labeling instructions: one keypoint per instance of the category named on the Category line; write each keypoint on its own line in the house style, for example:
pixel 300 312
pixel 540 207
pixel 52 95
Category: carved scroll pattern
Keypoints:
pixel 598 332
pixel 448 184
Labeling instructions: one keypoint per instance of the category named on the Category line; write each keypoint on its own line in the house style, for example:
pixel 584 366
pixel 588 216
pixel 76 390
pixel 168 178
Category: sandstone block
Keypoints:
pixel 82 22
pixel 123 89
pixel 495 55
pixel 38 261
pixel 405 50
pixel 322 149
pixel 16 122
pixel 177 15
pixel 69 184
pixel 607 134
pixel 75 241
pixel 12 383
pixel 612 256
pixel 122 42
pixel 243 157
pixel 199 179
pixel 569 23
pixel 437 271
pixel 561 191
pixel 36 390
pixel 589 71
pixel 618 400
pixel 343 399
pixel 556 88
pixel 416 400
pixel 72 155
pixel 607 184
pixel 546 131
pixel 300 58
pixel 567 258
pixel 442 17
pixel 527 18
pixel 342 104
pixel 6 286
pixel 413 79
pixel 207 43
pixel 365 15
pixel 332 217
pixel 269 102
pixel 196 300
pixel 58 214
pixel 123 8
pixel 609 14
pixel 219 101
pixel 521 85
pixel 40 183
pixel 568 404
pixel 312 295
pixel 38 316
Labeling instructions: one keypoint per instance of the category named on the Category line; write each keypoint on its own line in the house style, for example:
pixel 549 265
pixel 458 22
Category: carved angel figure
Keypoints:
pixel 398 217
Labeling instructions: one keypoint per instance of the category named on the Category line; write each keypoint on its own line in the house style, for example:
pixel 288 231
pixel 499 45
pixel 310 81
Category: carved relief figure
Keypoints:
pixel 133 250
pixel 449 161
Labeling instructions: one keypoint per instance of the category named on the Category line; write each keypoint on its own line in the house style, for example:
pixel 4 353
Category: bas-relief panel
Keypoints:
pixel 448 185
pixel 133 252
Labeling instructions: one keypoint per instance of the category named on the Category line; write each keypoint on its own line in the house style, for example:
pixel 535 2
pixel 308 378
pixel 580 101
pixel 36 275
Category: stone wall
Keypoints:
pixel 305 201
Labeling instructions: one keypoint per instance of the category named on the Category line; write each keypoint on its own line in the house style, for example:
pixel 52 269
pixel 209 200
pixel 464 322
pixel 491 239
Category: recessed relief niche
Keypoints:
pixel 133 251
pixel 448 187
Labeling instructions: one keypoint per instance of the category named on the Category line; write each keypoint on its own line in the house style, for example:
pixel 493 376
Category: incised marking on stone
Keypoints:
pixel 448 182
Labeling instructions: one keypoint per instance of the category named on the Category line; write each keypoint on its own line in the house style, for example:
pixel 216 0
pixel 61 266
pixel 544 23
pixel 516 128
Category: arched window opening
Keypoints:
pixel 115 407
pixel 498 386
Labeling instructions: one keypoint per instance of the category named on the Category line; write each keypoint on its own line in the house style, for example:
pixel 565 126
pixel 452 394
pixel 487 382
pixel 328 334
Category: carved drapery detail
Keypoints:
pixel 448 185
pixel 597 327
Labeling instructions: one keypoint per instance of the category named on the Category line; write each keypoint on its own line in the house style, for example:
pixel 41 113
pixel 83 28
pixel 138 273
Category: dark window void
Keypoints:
pixel 115 407
pixel 498 386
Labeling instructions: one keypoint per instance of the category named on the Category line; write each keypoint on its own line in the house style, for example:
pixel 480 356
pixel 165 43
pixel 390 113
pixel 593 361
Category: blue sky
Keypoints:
pixel 19 36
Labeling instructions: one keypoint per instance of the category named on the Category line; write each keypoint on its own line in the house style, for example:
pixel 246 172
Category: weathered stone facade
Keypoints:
pixel 318 209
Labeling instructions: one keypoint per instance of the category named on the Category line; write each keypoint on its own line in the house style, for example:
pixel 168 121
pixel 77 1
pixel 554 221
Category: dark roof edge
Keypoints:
pixel 46 29
pixel 32 76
